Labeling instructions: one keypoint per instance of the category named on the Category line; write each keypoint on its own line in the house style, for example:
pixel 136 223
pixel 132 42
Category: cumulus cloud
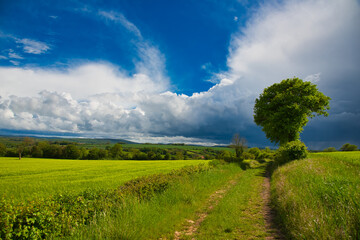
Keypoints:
pixel 313 40
pixel 81 81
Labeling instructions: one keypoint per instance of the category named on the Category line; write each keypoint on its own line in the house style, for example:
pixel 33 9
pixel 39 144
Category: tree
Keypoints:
pixel 282 110
pixel 329 149
pixel 71 152
pixel 348 147
pixel 116 151
pixel 2 150
pixel 239 144
pixel 26 143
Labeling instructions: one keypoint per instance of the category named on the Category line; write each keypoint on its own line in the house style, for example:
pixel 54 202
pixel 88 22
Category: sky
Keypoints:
pixel 174 71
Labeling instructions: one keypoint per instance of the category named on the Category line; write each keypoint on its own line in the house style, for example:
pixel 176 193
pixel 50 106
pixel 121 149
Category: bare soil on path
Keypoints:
pixel 269 213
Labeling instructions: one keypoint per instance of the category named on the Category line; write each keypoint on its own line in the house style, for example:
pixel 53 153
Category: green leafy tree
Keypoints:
pixel 348 147
pixel 283 109
pixel 72 152
pixel 329 149
pixel 116 151
pixel 36 152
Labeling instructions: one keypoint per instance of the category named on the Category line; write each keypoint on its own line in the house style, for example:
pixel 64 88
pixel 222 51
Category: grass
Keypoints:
pixel 239 215
pixel 319 198
pixel 352 157
pixel 30 177
pixel 165 213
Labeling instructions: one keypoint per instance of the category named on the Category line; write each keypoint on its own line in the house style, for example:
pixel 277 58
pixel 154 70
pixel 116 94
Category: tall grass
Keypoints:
pixel 351 157
pixel 163 214
pixel 319 198
pixel 31 177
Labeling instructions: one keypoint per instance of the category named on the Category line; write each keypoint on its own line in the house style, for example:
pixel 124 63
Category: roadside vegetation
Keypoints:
pixel 318 198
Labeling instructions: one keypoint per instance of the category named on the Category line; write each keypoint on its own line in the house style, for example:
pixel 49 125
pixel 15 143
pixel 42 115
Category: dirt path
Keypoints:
pixel 269 213
pixel 191 226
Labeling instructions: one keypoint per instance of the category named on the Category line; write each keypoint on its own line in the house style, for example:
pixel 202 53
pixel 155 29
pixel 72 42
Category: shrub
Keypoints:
pixel 217 162
pixel 248 155
pixel 256 152
pixel 290 151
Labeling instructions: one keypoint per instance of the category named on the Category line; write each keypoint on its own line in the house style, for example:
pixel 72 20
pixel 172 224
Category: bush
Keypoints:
pixel 256 152
pixel 248 155
pixel 290 151
pixel 217 162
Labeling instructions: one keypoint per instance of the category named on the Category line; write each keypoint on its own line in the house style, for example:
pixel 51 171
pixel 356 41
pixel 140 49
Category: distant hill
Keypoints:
pixel 15 140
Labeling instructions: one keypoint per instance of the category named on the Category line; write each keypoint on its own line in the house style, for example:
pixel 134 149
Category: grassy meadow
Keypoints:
pixel 37 177
pixel 235 215
pixel 315 198
pixel 319 197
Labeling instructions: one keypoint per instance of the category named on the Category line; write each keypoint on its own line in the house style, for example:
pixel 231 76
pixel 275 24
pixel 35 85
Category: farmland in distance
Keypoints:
pixel 34 177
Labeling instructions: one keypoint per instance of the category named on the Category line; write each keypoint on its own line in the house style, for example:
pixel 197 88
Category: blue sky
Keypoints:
pixel 174 71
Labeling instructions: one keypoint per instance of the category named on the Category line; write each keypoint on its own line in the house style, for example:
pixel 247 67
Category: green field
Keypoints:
pixel 319 197
pixel 31 177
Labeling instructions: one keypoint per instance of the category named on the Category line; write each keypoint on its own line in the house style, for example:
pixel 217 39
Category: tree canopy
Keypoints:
pixel 282 110
pixel 348 147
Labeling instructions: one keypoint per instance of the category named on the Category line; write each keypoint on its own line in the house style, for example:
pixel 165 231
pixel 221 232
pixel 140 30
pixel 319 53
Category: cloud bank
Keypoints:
pixel 313 40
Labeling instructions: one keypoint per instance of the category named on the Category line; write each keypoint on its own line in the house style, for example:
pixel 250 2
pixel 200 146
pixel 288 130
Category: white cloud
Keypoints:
pixel 81 82
pixel 16 63
pixel 120 18
pixel 33 46
pixel 12 54
pixel 298 38
pixel 152 61
pixel 314 78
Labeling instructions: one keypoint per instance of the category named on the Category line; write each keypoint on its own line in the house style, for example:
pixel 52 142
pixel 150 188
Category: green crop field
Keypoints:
pixel 31 177
pixel 352 157
pixel 319 197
